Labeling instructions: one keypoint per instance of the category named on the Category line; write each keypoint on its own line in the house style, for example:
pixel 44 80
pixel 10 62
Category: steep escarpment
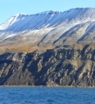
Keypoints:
pixel 61 66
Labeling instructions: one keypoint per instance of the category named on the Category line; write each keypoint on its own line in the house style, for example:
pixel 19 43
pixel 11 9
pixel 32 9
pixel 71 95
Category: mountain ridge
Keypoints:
pixel 49 28
pixel 84 10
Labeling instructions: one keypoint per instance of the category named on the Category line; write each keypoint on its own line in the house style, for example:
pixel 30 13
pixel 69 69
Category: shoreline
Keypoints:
pixel 46 86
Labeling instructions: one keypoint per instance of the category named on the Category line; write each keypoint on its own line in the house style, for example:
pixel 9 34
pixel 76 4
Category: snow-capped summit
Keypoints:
pixel 48 19
pixel 50 27
pixel 50 12
pixel 20 15
pixel 21 22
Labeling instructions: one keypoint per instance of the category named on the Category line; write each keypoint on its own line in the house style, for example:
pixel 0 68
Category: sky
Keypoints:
pixel 9 8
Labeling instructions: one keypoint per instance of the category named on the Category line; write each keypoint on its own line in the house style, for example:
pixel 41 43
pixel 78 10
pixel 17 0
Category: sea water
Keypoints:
pixel 46 95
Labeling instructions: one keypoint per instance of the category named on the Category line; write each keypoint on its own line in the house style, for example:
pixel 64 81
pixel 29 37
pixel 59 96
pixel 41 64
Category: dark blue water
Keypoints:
pixel 44 95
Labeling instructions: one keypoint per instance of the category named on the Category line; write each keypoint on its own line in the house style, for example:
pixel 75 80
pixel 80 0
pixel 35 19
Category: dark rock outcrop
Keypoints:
pixel 61 66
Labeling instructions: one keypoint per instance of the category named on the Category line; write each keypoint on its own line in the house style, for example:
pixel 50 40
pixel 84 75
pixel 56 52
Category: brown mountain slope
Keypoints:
pixel 61 66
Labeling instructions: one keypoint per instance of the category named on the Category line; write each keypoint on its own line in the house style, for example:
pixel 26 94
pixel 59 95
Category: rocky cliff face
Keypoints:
pixel 61 66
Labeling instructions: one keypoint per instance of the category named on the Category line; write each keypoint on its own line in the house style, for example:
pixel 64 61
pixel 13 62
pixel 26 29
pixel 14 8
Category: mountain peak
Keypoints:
pixel 50 27
pixel 42 13
pixel 50 12
pixel 48 19
pixel 20 15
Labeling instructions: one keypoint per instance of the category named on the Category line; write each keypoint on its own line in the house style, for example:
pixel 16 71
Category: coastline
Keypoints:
pixel 41 86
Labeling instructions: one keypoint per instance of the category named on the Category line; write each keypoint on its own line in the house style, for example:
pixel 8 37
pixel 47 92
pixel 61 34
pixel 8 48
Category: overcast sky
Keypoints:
pixel 12 7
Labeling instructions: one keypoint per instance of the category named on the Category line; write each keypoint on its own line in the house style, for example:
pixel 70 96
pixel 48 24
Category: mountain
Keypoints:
pixel 49 49
pixel 25 33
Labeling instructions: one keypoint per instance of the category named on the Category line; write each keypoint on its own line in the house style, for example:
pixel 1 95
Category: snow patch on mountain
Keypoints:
pixel 50 27
pixel 21 22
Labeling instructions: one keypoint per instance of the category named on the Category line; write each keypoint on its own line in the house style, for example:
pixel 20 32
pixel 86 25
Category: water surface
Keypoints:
pixel 46 95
